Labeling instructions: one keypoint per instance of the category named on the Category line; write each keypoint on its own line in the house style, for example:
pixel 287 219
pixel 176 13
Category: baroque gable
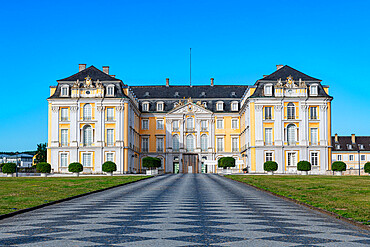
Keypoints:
pixel 190 108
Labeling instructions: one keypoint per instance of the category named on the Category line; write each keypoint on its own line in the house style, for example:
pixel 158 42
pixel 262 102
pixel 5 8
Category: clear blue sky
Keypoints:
pixel 143 42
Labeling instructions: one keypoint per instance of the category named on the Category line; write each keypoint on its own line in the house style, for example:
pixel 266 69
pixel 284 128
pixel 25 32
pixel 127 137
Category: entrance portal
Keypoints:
pixel 190 163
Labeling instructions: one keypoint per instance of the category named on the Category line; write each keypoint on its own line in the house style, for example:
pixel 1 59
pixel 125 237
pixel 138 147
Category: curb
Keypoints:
pixel 337 216
pixel 8 215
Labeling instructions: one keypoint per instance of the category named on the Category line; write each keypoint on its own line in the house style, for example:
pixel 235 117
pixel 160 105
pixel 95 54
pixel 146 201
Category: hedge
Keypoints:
pixel 339 166
pixel 367 167
pixel 270 166
pixel 43 167
pixel 109 166
pixel 226 162
pixel 152 162
pixel 304 166
pixel 75 167
pixel 9 168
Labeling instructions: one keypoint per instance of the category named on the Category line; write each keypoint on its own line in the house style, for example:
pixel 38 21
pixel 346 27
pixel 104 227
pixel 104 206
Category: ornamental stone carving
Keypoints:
pixel 259 108
pixel 278 108
pixel 323 107
pixel 55 108
pixel 304 108
pixel 119 108
pixel 74 108
pixel 100 108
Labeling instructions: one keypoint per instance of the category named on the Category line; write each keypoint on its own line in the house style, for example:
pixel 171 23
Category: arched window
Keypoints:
pixel 190 123
pixel 87 132
pixel 291 111
pixel 204 142
pixel 175 143
pixel 190 143
pixel 87 112
pixel 291 134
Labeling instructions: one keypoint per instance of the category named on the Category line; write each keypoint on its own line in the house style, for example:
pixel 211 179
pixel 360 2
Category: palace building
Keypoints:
pixel 95 117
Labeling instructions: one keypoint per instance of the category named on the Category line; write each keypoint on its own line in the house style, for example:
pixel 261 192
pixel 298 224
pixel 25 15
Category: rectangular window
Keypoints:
pixel 110 137
pixel 234 123
pixel 235 144
pixel 203 125
pixel 314 139
pixel 220 144
pixel 110 91
pixel 159 106
pixel 145 124
pixel 160 124
pixel 110 114
pixel 268 113
pixel 292 161
pixel 145 144
pixel 220 123
pixel 313 112
pixel 63 160
pixel 363 157
pixel 351 157
pixel 64 91
pixel 268 90
pixel 145 106
pixel 110 157
pixel 220 106
pixel 190 123
pixel 160 144
pixel 339 157
pixel 268 136
pixel 64 114
pixel 64 137
pixel 86 160
pixel 268 156
pixel 234 106
pixel 175 125
pixel 314 158
pixel 313 90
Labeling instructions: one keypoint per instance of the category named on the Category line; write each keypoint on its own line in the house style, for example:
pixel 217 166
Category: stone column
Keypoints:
pixel 54 126
pixel 259 125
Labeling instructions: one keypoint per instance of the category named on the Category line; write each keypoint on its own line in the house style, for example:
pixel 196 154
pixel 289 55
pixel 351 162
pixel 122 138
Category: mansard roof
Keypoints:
pixel 344 143
pixel 195 92
pixel 94 73
pixel 287 71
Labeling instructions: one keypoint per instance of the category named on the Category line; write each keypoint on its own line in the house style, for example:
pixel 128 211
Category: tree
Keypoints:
pixel 270 166
pixel 152 162
pixel 41 153
pixel 304 166
pixel 225 162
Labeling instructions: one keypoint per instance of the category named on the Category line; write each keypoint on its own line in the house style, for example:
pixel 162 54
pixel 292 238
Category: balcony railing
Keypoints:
pixel 268 117
pixel 291 117
pixel 64 119
pixel 110 119
pixel 87 118
pixel 204 129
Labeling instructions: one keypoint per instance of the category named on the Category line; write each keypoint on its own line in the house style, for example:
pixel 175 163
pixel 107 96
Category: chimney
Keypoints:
pixel 353 137
pixel 212 83
pixel 167 82
pixel 265 76
pixel 106 69
pixel 81 67
pixel 336 138
pixel 279 66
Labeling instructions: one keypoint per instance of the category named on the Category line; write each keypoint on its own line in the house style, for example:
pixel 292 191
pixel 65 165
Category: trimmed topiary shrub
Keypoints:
pixel 109 166
pixel 75 167
pixel 151 162
pixel 270 166
pixel 339 166
pixel 304 166
pixel 367 167
pixel 9 168
pixel 43 167
pixel 226 162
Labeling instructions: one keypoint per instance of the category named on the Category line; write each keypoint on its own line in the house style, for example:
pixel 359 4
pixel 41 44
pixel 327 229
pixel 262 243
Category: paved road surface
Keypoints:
pixel 179 210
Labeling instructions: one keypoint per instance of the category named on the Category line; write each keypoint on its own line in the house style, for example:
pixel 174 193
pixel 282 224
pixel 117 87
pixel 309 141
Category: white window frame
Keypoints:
pixel 64 137
pixel 175 143
pixel 204 142
pixel 64 114
pixel 190 123
pixel 313 113
pixel 339 157
pixel 110 137
pixel 110 114
pixel 362 157
pixel 220 144
pixel 314 155
pixel 351 157
pixel 160 106
pixel 294 155
pixel 61 159
pixel 160 124
pixel 234 148
pixel 204 125
pixel 268 112
pixel 268 136
pixel 145 144
pixel 64 91
pixel 86 155
pixel 110 154
pixel 268 90
pixel 291 114
pixel 289 135
pixel 190 143
pixel 110 90
pixel 269 156
pixel 219 124
pixel 145 124
pixel 87 140
pixel 160 144
pixel 145 106
pixel 314 90
pixel 314 136
pixel 236 122
pixel 234 106
pixel 87 112
pixel 175 127
pixel 220 106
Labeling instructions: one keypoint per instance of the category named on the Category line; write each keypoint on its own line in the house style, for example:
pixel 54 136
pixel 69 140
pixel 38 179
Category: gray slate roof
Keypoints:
pixel 345 141
pixel 286 71
pixel 94 73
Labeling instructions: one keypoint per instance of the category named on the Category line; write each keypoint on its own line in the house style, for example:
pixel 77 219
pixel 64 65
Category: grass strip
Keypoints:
pixel 25 192
pixel 347 196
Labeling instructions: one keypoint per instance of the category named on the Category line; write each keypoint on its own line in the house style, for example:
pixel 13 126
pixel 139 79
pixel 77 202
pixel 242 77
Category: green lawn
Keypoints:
pixel 24 192
pixel 348 196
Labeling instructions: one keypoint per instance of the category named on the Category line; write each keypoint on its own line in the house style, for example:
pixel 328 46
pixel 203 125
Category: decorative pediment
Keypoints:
pixel 190 108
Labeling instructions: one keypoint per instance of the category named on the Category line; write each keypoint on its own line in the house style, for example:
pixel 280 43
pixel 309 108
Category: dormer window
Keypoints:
pixel 146 94
pixel 220 106
pixel 203 94
pixel 337 146
pixel 349 146
pixel 145 106
pixel 160 106
pixel 268 90
pixel 205 104
pixel 177 94
pixel 110 90
pixel 64 91
pixel 234 106
pixel 233 94
pixel 360 146
pixel 313 90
